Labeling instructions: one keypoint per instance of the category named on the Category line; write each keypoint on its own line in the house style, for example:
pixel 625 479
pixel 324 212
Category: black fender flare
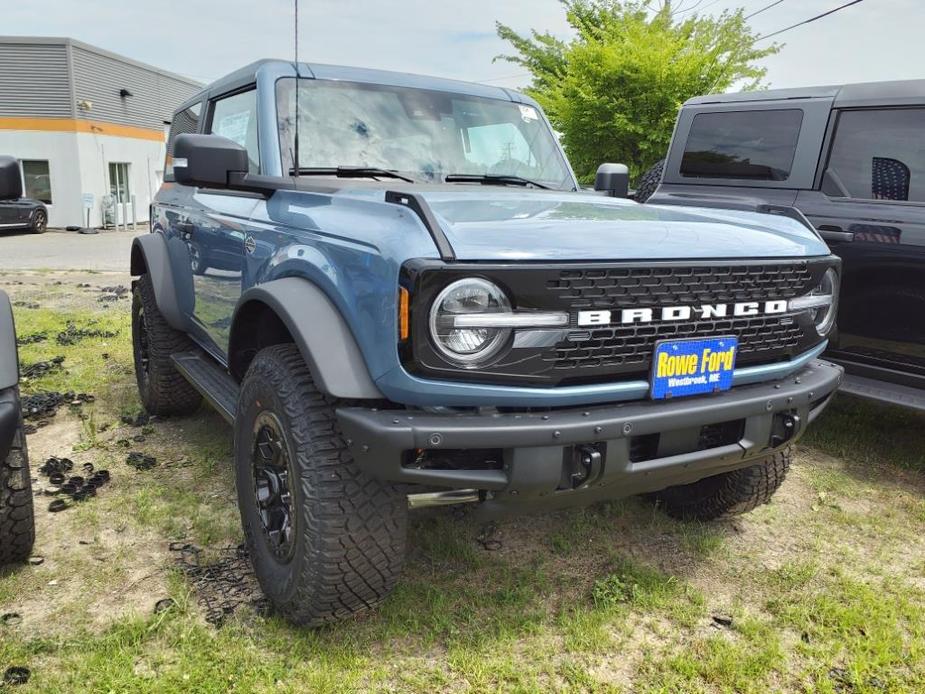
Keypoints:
pixel 150 255
pixel 9 356
pixel 319 330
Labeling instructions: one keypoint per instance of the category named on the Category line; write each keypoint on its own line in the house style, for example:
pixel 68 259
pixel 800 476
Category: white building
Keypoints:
pixel 88 126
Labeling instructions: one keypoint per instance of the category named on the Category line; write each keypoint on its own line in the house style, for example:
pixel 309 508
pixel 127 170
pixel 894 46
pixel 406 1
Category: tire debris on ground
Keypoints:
pixel 223 585
pixel 71 335
pixel 77 487
pixel 140 461
pixel 45 404
pixel 42 368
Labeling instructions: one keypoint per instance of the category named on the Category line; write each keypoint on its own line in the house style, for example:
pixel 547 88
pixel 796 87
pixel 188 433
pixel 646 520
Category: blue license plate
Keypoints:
pixel 693 367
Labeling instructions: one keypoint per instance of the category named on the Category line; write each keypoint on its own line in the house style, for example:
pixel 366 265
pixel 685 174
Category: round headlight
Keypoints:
pixel 468 346
pixel 824 314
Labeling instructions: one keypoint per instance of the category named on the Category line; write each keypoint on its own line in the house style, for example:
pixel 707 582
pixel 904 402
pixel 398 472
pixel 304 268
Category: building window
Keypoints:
pixel 36 180
pixel 119 186
pixel 877 155
pixel 235 117
pixel 753 145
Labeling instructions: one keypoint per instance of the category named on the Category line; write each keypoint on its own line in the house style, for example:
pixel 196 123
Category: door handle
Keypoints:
pixel 833 232
pixel 186 228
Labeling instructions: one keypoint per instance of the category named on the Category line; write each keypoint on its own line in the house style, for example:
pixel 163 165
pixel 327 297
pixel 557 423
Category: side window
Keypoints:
pixel 235 117
pixel 756 145
pixel 878 154
pixel 185 121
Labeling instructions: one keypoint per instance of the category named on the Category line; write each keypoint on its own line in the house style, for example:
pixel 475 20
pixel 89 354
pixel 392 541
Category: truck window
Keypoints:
pixel 183 122
pixel 878 154
pixel 235 117
pixel 755 145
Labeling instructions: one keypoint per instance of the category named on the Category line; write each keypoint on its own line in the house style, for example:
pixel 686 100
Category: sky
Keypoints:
pixel 205 39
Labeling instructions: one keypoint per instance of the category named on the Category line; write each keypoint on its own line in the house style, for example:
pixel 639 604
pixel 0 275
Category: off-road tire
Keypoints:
pixel 17 523
pixel 349 529
pixel 39 222
pixel 162 388
pixel 649 181
pixel 727 494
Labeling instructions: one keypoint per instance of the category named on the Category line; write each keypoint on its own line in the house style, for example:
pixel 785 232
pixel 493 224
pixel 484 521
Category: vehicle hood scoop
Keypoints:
pixel 524 225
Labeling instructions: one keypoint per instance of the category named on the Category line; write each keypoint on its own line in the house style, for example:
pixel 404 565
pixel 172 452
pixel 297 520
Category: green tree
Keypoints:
pixel 614 90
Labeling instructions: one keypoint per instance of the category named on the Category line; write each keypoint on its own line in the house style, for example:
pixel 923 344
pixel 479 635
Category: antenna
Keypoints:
pixel 296 162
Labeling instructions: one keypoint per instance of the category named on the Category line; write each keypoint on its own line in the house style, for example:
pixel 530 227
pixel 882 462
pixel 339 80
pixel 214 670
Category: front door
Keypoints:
pixel 217 225
pixel 871 209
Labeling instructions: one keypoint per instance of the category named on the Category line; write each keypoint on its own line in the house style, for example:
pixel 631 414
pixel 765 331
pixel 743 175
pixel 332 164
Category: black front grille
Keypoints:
pixel 629 348
pixel 603 353
pixel 761 339
pixel 630 287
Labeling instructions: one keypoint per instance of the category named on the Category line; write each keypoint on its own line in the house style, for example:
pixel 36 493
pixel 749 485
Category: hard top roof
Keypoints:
pixel 897 92
pixel 247 74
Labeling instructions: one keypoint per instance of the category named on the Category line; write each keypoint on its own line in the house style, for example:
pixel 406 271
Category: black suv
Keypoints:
pixel 852 160
pixel 17 525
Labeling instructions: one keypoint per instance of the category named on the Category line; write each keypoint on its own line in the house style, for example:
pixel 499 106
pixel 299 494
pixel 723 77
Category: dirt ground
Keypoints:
pixel 822 590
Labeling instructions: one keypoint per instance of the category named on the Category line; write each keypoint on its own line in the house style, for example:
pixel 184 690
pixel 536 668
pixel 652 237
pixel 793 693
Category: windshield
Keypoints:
pixel 426 135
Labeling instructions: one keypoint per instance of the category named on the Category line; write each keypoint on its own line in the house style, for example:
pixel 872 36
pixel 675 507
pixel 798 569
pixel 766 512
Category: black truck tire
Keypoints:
pixel 17 522
pixel 649 181
pixel 729 493
pixel 162 388
pixel 332 544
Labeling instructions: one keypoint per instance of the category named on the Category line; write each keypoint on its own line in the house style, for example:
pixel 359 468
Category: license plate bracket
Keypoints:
pixel 692 366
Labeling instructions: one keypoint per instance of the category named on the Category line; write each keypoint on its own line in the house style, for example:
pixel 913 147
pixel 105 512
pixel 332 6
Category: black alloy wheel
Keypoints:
pixel 39 222
pixel 272 472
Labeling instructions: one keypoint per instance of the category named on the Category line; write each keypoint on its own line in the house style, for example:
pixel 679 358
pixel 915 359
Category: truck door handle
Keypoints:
pixel 186 228
pixel 832 232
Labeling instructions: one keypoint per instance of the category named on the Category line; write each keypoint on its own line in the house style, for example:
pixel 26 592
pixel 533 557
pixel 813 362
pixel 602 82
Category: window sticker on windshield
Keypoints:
pixel 528 113
pixel 234 127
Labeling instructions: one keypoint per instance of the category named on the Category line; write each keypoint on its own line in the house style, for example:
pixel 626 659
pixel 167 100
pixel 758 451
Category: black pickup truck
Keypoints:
pixel 852 160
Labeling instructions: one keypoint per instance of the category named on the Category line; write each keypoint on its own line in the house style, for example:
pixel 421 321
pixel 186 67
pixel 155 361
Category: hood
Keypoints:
pixel 497 225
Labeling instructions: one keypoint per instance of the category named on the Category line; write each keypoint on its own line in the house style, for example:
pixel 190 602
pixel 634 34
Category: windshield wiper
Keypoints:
pixel 493 180
pixel 351 172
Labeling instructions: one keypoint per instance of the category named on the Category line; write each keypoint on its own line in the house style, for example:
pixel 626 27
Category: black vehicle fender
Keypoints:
pixel 9 357
pixel 150 255
pixel 324 338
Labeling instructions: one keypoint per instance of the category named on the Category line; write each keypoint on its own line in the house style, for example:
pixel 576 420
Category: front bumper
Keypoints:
pixel 538 449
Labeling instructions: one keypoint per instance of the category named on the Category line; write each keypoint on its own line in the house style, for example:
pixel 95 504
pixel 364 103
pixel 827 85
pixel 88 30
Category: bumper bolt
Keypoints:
pixel 436 439
pixel 556 434
pixel 598 430
pixel 627 428
pixel 769 406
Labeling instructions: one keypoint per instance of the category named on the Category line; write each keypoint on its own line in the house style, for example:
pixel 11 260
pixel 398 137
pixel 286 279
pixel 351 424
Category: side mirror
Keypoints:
pixel 10 178
pixel 210 161
pixel 613 180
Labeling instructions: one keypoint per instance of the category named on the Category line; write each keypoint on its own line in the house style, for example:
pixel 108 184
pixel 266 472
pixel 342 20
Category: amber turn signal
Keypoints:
pixel 404 323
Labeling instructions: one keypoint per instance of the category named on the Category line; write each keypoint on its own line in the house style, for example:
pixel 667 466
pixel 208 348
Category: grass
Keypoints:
pixel 820 591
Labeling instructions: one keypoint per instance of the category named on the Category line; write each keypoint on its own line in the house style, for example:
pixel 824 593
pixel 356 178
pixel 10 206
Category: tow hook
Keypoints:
pixel 785 427
pixel 585 467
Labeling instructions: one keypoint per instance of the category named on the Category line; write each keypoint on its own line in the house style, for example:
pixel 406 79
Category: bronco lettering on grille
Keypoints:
pixel 680 313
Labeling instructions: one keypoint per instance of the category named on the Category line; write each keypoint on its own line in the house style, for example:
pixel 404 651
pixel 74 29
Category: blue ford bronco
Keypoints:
pixel 395 290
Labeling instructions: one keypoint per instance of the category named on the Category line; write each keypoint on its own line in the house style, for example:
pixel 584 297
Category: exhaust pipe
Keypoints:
pixel 455 496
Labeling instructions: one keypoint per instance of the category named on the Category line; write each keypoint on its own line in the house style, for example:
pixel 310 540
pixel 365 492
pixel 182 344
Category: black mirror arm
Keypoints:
pixel 255 183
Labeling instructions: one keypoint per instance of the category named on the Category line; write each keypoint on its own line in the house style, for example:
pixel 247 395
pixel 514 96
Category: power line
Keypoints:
pixel 807 21
pixel 766 7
